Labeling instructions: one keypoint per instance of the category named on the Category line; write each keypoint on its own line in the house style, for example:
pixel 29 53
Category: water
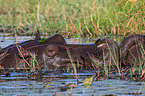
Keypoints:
pixel 51 83
pixel 58 87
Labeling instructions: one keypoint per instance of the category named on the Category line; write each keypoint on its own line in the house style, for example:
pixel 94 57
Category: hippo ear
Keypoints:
pixel 56 39
pixel 38 37
pixel 99 41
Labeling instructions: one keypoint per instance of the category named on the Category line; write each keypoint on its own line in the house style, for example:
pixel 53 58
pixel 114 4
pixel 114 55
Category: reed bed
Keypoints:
pixel 73 18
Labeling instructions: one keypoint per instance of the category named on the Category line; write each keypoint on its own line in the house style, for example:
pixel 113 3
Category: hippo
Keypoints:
pixel 55 52
pixel 132 50
pixel 10 55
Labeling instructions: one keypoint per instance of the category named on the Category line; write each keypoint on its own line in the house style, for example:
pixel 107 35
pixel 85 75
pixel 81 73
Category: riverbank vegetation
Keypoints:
pixel 73 18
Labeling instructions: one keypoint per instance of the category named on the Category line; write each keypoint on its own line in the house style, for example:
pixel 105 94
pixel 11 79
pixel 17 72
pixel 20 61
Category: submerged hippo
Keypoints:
pixel 54 51
pixel 132 50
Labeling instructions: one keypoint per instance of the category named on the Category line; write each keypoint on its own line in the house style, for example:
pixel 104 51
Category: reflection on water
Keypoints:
pixel 53 83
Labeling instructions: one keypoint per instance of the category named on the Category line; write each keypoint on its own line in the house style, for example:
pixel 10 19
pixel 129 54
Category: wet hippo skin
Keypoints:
pixel 51 55
pixel 132 50
pixel 10 56
pixel 54 51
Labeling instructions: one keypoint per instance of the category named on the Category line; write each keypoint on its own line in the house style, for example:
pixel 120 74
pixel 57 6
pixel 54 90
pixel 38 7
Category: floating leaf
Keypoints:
pixel 42 41
pixel 88 81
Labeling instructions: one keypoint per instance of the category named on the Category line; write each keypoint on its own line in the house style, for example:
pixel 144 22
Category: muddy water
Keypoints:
pixel 61 83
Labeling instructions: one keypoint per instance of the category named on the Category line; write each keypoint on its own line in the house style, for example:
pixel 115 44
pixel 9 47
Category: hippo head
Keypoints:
pixel 16 55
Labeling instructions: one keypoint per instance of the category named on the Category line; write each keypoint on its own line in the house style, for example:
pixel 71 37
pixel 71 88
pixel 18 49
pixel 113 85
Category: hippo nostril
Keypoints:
pixel 82 60
pixel 24 55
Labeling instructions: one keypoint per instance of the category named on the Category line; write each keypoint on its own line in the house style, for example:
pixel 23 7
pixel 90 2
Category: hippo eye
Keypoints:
pixel 51 50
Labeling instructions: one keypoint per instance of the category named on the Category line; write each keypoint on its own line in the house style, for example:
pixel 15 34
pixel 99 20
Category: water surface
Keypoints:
pixel 51 83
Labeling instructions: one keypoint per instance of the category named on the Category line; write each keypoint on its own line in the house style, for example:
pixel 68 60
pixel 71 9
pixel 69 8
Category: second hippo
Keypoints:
pixel 132 50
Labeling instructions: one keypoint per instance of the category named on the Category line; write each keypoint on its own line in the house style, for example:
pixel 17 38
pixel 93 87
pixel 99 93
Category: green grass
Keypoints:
pixel 73 18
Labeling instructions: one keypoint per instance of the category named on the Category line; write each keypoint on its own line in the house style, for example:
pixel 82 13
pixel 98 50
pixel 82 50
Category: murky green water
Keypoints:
pixel 51 83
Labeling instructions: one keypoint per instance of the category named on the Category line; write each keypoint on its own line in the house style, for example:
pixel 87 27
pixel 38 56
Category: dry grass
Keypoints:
pixel 73 18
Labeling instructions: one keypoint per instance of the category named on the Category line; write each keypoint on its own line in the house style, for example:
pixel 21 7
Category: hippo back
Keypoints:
pixel 130 49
